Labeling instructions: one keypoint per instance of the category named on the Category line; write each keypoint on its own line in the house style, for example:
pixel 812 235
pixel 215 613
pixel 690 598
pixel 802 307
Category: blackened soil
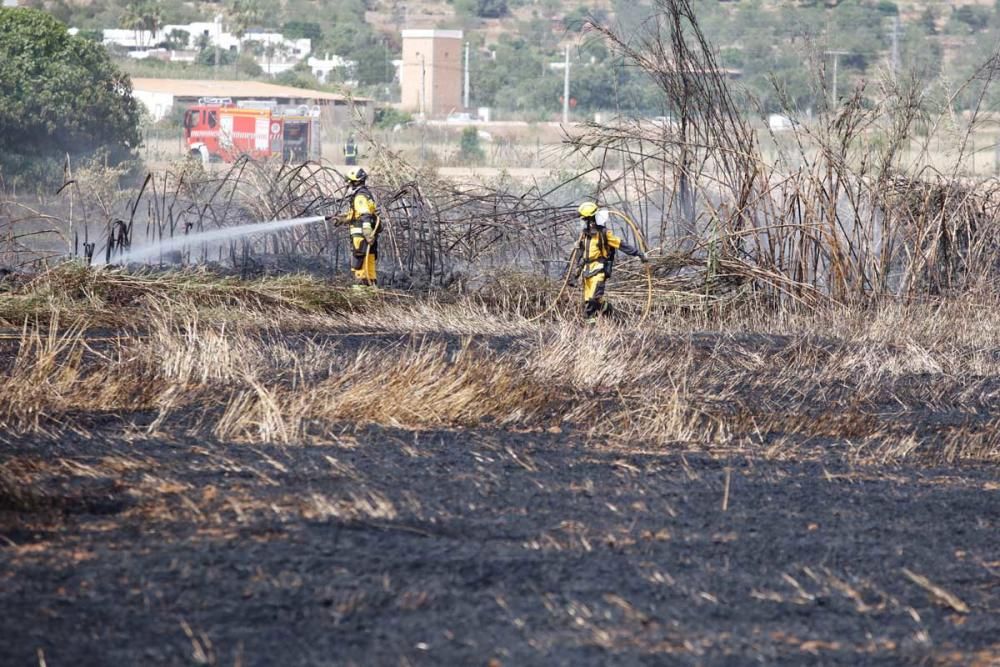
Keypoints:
pixel 488 548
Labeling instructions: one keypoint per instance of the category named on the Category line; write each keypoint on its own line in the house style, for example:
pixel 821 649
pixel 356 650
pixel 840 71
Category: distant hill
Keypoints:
pixel 516 41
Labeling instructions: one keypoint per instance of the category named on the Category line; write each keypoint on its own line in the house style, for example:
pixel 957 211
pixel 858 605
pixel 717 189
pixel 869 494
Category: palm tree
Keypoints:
pixel 151 18
pixel 245 14
pixel 141 16
pixel 131 19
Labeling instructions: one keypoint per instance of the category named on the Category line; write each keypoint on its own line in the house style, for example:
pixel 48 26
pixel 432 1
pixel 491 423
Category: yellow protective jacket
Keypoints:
pixel 362 214
pixel 597 252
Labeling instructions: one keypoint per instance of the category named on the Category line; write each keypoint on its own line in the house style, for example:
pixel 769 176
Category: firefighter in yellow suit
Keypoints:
pixel 362 216
pixel 596 251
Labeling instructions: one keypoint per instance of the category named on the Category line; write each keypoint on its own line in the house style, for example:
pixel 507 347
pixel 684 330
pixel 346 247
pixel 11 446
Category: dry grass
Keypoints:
pixel 915 381
pixel 115 297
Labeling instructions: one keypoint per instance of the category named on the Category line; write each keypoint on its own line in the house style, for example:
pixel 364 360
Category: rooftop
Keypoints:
pixel 234 89
pixel 416 33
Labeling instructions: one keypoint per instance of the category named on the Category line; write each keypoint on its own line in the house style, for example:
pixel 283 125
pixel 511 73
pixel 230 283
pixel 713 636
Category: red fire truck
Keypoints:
pixel 217 129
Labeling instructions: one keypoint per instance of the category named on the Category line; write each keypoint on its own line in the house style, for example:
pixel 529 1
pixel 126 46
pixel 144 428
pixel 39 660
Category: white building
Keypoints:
pixel 281 51
pixel 296 48
pixel 323 67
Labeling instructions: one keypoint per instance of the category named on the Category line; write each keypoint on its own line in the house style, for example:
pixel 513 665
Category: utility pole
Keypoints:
pixel 836 60
pixel 217 33
pixel 423 112
pixel 423 86
pixel 894 36
pixel 566 89
pixel 465 98
pixel 387 76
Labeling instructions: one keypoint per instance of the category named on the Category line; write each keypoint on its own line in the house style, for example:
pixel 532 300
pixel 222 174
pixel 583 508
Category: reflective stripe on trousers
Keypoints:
pixel 366 271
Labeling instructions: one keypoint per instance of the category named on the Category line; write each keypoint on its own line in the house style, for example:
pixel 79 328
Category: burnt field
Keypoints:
pixel 327 492
pixel 784 449
pixel 389 546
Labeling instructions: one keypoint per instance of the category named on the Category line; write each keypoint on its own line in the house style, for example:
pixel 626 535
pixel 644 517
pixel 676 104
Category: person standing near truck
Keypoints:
pixel 350 152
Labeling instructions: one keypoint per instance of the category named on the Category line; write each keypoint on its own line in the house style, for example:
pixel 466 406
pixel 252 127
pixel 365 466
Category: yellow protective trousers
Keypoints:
pixel 593 289
pixel 366 257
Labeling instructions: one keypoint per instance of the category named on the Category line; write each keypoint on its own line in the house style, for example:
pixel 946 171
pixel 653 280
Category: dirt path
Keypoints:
pixel 398 547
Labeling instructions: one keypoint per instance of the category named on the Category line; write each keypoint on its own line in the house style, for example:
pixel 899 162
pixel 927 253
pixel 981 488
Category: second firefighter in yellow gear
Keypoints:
pixel 596 251
pixel 362 216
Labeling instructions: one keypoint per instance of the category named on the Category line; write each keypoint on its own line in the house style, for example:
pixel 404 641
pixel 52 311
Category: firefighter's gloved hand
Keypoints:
pixel 643 257
pixel 370 238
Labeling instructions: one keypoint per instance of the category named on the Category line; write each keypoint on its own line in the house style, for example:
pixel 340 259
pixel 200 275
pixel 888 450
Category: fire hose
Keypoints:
pixel 643 247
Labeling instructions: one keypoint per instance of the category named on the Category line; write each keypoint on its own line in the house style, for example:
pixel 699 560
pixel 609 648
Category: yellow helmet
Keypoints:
pixel 588 209
pixel 357 175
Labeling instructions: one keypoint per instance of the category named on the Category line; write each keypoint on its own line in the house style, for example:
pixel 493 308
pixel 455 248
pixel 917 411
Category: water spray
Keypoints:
pixel 221 234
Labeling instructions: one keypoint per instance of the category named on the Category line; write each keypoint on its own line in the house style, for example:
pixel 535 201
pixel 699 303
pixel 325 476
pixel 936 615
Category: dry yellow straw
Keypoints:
pixel 562 288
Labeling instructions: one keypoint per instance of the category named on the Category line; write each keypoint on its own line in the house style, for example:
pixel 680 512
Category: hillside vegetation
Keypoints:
pixel 775 49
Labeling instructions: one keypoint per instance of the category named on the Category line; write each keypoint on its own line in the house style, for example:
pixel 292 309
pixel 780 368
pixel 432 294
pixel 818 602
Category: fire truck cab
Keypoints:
pixel 217 129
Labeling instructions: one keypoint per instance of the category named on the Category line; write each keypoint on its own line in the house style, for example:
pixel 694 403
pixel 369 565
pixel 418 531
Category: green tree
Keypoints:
pixel 244 14
pixel 577 18
pixel 209 56
pixel 299 76
pixel 974 18
pixel 59 95
pixel 177 39
pixel 470 152
pixel 492 9
pixel 387 118
pixel 301 29
pixel 928 21
pixel 487 9
pixel 142 17
pixel 247 66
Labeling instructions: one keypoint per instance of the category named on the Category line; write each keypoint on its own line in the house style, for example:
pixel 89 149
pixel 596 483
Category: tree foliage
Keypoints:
pixel 59 95
pixel 244 15
pixel 469 151
pixel 491 9
pixel 301 29
pixel 487 9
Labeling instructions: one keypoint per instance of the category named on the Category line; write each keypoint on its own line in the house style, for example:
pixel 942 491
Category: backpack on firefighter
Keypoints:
pixel 362 216
pixel 596 251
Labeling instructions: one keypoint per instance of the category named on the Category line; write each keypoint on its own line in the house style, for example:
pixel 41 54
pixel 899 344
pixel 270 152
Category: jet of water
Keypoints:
pixel 221 234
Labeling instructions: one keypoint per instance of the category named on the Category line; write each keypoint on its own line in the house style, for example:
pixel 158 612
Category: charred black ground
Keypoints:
pixel 380 545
